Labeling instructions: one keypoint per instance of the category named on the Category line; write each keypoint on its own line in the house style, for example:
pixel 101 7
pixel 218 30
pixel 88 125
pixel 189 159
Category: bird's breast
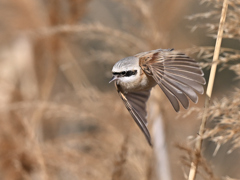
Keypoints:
pixel 140 84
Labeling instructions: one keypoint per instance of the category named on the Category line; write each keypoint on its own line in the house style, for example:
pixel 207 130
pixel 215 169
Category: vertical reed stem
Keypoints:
pixel 198 145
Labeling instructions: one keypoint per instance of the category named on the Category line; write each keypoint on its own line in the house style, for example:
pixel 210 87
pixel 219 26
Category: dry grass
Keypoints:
pixel 60 119
pixel 199 141
pixel 221 113
pixel 224 116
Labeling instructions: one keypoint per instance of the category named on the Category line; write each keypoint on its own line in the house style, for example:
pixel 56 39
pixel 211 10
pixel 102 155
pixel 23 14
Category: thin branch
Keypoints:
pixel 198 145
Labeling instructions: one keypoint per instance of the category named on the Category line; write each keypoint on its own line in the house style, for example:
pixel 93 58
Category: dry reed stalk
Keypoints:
pixel 163 171
pixel 161 153
pixel 198 145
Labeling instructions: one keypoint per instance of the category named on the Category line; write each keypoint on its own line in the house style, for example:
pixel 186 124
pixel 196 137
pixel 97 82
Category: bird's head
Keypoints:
pixel 126 70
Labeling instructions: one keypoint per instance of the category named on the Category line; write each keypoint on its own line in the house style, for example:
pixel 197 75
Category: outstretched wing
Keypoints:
pixel 135 103
pixel 177 75
pixel 138 101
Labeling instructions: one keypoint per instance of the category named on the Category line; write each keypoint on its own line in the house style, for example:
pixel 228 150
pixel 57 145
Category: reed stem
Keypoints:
pixel 198 145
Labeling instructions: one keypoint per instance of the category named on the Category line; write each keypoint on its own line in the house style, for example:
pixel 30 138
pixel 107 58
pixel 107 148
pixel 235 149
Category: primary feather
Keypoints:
pixel 176 74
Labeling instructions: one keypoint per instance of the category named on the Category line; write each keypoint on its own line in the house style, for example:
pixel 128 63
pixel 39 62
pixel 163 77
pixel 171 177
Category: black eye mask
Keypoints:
pixel 125 73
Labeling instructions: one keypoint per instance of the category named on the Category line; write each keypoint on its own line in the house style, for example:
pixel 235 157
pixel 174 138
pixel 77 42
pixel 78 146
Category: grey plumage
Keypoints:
pixel 127 63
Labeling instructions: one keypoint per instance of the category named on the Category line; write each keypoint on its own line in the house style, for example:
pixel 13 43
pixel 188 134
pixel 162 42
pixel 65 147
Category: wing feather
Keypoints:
pixel 183 63
pixel 189 75
pixel 138 101
pixel 177 75
pixel 172 98
pixel 188 69
pixel 189 82
pixel 171 92
pixel 136 105
pixel 184 88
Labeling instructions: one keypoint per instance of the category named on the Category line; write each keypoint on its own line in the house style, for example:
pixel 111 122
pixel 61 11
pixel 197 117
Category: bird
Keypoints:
pixel 178 76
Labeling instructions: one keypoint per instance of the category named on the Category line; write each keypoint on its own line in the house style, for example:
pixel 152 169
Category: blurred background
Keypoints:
pixel 61 119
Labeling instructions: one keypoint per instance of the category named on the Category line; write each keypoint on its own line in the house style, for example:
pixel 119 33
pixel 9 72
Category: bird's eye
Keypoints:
pixel 125 73
pixel 130 73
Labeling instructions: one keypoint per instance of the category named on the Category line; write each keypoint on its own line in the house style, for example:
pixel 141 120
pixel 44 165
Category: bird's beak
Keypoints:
pixel 113 79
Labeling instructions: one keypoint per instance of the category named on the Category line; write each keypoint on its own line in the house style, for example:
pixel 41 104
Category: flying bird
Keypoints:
pixel 178 75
